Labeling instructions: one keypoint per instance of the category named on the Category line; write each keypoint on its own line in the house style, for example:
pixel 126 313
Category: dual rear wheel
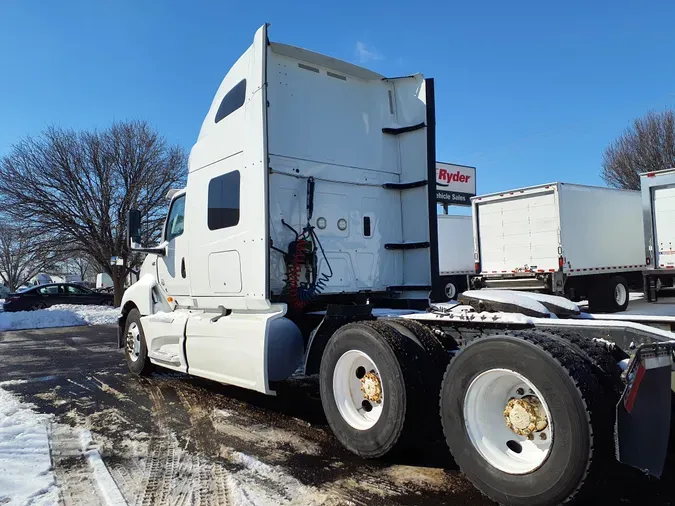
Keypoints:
pixel 524 413
pixel 374 387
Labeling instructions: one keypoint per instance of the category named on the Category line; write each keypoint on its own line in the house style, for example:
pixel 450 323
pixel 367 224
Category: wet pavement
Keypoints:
pixel 175 439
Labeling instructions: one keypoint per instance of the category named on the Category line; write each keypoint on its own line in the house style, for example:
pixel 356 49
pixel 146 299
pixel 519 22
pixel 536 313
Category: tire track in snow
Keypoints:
pixel 173 476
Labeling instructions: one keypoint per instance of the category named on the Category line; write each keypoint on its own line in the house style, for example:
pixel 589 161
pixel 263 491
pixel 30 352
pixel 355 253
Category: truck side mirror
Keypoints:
pixel 134 227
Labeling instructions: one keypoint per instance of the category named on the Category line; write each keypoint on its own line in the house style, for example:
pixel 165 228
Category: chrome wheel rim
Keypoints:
pixel 134 342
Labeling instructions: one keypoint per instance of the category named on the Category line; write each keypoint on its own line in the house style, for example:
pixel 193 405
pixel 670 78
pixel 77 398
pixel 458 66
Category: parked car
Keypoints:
pixel 42 296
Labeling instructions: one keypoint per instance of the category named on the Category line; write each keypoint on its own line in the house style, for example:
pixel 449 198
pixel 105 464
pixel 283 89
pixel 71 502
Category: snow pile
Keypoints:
pixel 92 315
pixel 26 475
pixel 62 315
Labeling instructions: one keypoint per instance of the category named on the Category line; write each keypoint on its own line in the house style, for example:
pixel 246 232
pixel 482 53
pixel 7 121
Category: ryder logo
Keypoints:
pixel 445 177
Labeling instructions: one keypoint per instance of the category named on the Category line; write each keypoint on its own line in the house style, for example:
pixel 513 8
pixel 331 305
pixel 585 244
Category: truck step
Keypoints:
pixel 167 358
pixel 405 186
pixel 407 245
pixel 402 130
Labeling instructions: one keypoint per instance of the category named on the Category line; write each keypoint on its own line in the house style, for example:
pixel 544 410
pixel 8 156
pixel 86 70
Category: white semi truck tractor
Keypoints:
pixel 306 238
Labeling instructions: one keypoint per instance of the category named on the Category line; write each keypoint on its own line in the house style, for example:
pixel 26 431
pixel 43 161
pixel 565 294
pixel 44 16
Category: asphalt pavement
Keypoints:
pixel 174 439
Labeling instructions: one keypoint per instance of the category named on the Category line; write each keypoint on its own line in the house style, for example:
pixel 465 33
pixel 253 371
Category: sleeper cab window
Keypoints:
pixel 223 210
pixel 232 100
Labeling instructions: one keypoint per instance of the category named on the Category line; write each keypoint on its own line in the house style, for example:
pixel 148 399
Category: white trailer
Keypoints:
pixel 658 208
pixel 309 211
pixel 455 253
pixel 103 280
pixel 566 239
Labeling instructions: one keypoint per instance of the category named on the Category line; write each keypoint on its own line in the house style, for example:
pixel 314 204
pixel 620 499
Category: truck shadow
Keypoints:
pixel 298 398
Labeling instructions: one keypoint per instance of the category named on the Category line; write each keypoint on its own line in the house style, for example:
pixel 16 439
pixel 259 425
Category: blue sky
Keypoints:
pixel 527 91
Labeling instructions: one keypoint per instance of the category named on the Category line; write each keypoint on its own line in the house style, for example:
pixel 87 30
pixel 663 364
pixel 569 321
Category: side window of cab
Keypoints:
pixel 174 224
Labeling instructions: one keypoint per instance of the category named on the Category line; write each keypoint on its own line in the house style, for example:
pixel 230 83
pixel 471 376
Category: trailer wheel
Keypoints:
pixel 372 388
pixel 619 291
pixel 611 296
pixel 135 348
pixel 450 290
pixel 522 414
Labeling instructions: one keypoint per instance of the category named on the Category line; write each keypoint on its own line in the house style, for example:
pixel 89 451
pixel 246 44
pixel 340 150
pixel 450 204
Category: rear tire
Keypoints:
pixel 135 349
pixel 385 414
pixel 564 382
pixel 434 362
pixel 38 305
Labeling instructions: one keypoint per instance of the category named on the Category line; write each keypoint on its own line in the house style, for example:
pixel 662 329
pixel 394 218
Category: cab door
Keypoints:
pixel 172 272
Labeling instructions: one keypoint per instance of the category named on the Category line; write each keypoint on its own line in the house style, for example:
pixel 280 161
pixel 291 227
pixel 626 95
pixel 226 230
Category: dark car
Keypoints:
pixel 42 296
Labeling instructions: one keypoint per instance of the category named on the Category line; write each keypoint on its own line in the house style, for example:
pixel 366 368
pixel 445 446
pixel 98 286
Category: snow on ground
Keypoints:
pixel 30 476
pixel 26 475
pixel 260 484
pixel 62 315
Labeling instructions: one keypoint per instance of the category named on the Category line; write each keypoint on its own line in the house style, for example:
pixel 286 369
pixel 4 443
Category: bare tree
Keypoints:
pixel 23 255
pixel 647 145
pixel 78 264
pixel 82 184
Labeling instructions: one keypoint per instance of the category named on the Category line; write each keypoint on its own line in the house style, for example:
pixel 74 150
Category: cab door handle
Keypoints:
pixel 182 267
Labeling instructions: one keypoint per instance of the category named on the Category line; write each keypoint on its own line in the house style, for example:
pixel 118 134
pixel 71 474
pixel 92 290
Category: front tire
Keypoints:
pixel 135 349
pixel 496 395
pixel 372 388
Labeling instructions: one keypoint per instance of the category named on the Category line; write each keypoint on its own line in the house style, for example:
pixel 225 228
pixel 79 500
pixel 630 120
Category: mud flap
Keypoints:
pixel 643 412
pixel 120 331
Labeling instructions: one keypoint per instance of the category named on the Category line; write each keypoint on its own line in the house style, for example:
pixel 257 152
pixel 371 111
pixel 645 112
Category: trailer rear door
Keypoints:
pixel 519 233
pixel 664 226
pixel 455 245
